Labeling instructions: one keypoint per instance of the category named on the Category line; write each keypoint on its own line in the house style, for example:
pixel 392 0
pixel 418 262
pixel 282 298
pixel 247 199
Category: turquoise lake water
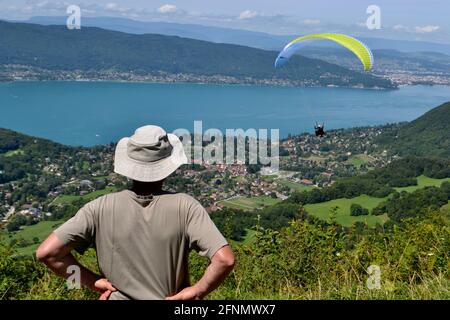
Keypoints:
pixel 89 113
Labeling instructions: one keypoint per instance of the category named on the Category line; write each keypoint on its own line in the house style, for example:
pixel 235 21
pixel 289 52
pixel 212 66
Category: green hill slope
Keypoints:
pixel 428 135
pixel 21 154
pixel 94 49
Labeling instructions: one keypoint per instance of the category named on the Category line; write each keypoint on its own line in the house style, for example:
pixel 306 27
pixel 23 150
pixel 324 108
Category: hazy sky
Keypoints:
pixel 400 19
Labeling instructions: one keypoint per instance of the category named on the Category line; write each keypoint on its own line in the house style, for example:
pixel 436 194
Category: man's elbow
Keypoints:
pixel 49 250
pixel 42 254
pixel 225 257
pixel 230 262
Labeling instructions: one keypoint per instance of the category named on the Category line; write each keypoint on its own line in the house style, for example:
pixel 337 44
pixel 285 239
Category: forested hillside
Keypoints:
pixel 22 155
pixel 428 135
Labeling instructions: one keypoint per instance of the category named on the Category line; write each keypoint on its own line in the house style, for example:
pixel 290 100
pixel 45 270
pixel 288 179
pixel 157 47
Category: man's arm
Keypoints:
pixel 221 265
pixel 58 258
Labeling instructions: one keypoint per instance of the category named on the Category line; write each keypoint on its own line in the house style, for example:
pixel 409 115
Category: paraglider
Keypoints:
pixel 360 50
pixel 357 47
pixel 319 129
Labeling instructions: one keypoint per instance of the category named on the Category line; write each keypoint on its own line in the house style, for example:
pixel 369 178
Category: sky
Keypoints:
pixel 399 19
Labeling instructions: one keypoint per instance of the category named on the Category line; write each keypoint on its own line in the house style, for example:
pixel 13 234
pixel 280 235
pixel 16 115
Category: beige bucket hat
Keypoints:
pixel 150 154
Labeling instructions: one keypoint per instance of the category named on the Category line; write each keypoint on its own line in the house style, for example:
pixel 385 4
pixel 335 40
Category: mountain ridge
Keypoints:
pixel 98 50
pixel 250 38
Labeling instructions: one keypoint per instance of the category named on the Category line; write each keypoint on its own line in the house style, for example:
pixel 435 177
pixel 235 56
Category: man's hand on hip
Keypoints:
pixel 105 288
pixel 58 258
pixel 221 265
pixel 189 293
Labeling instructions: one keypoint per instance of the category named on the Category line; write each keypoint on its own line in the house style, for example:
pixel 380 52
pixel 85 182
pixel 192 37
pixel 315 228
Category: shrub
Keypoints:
pixel 358 210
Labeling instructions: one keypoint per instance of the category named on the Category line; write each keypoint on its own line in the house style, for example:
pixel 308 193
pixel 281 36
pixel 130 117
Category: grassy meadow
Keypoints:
pixel 423 181
pixel 343 217
pixel 245 203
pixel 38 231
pixel 62 199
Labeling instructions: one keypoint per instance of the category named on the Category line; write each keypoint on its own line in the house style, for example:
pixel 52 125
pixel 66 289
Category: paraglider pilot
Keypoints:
pixel 319 129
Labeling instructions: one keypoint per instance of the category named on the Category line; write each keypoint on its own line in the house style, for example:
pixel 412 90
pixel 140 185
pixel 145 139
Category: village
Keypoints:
pixel 305 162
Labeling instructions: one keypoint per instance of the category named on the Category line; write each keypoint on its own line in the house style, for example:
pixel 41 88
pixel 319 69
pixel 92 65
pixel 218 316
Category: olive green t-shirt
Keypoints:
pixel 142 244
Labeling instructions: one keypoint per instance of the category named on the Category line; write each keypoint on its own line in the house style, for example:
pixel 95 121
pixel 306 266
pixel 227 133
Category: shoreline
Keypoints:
pixel 287 137
pixel 399 86
pixel 243 84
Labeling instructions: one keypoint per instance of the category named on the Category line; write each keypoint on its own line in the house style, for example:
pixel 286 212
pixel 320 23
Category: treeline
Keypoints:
pixel 379 182
pixel 409 205
pixel 236 223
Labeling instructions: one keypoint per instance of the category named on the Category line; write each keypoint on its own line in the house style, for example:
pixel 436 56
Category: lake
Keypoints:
pixel 89 113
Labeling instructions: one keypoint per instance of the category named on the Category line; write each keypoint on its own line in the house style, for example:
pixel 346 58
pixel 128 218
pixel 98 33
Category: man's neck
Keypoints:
pixel 146 188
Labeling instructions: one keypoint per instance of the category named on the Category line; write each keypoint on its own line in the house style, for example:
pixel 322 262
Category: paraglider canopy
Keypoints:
pixel 357 47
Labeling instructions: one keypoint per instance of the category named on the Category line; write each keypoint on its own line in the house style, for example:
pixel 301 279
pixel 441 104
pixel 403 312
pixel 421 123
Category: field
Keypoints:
pixel 294 186
pixel 244 203
pixel 13 153
pixel 358 160
pixel 87 197
pixel 315 159
pixel 422 182
pixel 322 210
pixel 284 178
pixel 40 230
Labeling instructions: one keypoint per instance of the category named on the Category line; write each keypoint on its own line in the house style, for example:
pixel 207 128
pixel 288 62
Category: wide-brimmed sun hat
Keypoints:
pixel 150 154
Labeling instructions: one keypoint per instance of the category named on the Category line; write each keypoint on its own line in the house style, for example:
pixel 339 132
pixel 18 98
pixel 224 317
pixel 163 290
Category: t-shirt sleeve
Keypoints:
pixel 203 235
pixel 78 231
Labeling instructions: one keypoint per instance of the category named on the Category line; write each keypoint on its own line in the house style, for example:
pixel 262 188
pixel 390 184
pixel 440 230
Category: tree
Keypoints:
pixel 358 210
pixel 16 222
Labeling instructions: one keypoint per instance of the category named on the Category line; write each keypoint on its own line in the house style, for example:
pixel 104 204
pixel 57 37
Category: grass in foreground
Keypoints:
pixel 302 261
pixel 446 208
pixel 307 262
